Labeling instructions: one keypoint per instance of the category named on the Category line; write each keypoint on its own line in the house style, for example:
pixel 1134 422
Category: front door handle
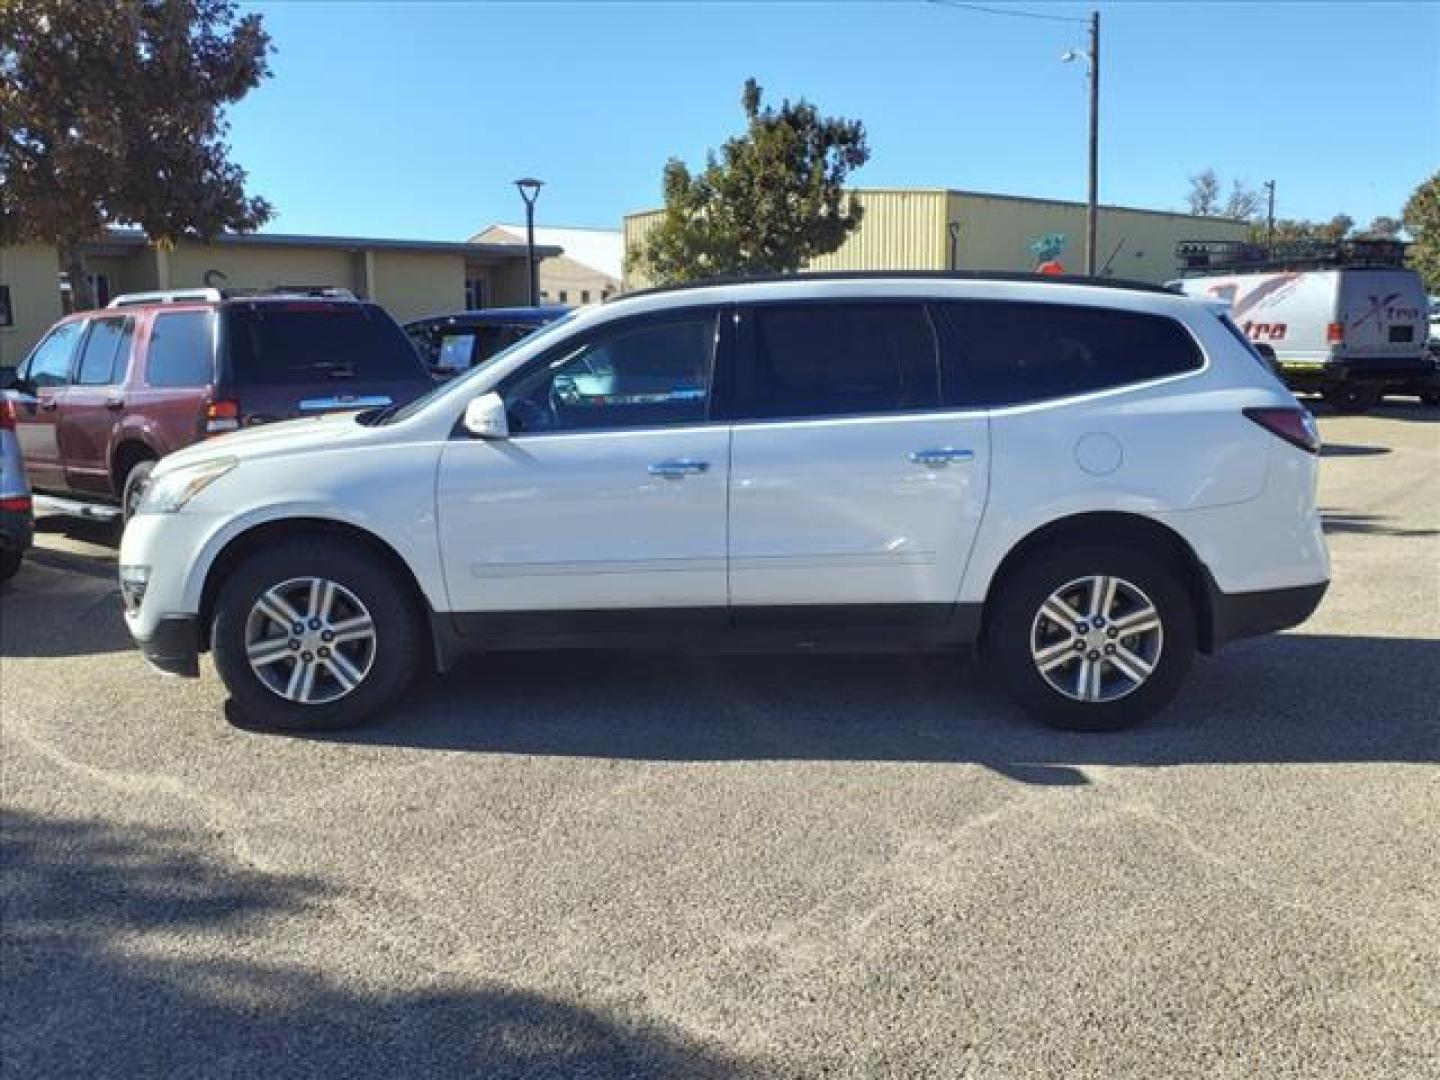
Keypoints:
pixel 114 403
pixel 48 404
pixel 941 455
pixel 677 467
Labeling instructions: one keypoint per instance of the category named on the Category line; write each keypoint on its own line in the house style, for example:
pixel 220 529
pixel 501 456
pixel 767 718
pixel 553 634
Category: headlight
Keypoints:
pixel 168 493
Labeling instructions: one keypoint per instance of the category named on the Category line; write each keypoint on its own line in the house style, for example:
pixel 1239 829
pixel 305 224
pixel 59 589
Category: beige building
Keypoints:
pixel 939 229
pixel 410 278
pixel 588 272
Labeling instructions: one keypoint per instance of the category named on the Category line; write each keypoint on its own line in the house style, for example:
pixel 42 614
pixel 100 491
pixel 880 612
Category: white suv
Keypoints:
pixel 1086 481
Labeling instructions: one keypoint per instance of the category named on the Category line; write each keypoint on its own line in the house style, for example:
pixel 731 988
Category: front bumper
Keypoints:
pixel 1240 615
pixel 174 646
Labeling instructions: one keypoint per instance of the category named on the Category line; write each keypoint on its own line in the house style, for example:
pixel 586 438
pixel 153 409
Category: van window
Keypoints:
pixel 1001 353
pixel 106 351
pixel 49 364
pixel 181 349
pixel 647 375
pixel 836 359
pixel 275 343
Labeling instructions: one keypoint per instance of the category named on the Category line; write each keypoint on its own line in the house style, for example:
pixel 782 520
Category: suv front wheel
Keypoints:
pixel 315 636
pixel 1093 638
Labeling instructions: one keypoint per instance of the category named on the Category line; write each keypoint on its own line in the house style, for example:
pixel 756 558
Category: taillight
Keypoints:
pixel 1335 333
pixel 222 416
pixel 1295 426
pixel 7 414
pixel 17 504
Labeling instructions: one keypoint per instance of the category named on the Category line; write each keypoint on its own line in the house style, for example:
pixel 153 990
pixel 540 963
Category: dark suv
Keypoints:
pixel 105 394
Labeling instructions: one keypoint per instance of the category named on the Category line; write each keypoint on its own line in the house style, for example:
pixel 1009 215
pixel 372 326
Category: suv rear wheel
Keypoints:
pixel 315 636
pixel 1093 638
pixel 1352 397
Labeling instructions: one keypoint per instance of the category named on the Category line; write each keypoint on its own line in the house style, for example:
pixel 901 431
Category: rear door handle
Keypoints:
pixel 941 455
pixel 48 404
pixel 114 403
pixel 679 467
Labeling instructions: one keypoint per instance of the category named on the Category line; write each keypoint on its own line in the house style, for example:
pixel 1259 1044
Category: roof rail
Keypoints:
pixel 910 275
pixel 164 296
pixel 1201 257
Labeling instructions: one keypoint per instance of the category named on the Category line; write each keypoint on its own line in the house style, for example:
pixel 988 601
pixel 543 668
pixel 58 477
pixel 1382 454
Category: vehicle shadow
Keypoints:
pixel 100 533
pixel 1290 698
pixel 1373 524
pixel 128 951
pixel 1351 450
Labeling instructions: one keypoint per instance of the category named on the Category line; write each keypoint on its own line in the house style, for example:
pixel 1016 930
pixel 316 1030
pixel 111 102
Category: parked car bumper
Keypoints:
pixel 174 646
pixel 17 530
pixel 1240 615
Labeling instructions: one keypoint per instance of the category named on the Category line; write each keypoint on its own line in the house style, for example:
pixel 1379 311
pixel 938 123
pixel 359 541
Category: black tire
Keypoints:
pixel 1007 646
pixel 1353 398
pixel 399 634
pixel 10 564
pixel 136 481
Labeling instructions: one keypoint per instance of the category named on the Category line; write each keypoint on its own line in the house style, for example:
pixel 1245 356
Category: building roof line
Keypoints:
pixel 138 238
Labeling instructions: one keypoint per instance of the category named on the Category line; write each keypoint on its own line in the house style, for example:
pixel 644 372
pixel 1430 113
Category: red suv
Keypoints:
pixel 105 394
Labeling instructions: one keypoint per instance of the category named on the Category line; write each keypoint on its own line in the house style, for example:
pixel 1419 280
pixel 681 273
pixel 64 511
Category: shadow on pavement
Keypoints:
pixel 1374 524
pixel 101 981
pixel 1351 450
pixel 100 533
pixel 1291 698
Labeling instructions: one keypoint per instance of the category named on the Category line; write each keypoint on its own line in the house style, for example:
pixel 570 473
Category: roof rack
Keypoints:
pixel 165 296
pixel 1201 257
pixel 909 275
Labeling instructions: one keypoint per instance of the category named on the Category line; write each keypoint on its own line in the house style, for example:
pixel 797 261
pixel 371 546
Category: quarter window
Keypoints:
pixel 830 359
pixel 49 364
pixel 182 349
pixel 106 352
pixel 650 375
pixel 1005 353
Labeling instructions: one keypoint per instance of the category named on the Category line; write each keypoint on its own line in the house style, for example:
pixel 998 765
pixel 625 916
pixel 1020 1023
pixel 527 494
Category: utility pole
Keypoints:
pixel 1270 218
pixel 1092 213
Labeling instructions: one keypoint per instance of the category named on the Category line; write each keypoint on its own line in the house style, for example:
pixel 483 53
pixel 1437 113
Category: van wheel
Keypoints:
pixel 312 637
pixel 136 481
pixel 1093 638
pixel 1352 397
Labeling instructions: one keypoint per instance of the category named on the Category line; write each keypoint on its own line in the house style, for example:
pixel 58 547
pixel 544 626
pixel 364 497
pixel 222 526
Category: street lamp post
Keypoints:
pixel 1270 218
pixel 1092 212
pixel 529 189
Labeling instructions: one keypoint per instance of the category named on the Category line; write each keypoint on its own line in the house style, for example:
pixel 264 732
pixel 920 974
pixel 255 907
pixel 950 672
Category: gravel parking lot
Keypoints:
pixel 647 866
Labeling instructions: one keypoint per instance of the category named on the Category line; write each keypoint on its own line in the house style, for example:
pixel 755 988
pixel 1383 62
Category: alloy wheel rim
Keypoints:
pixel 1097 639
pixel 310 640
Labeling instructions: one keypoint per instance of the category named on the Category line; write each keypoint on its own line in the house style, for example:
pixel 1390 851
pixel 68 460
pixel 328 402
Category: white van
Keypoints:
pixel 1345 319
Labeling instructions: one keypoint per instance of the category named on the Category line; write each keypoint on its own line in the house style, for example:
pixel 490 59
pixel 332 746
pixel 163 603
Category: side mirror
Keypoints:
pixel 485 417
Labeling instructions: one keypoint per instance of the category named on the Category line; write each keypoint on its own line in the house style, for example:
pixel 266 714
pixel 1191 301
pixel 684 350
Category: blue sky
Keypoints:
pixel 412 119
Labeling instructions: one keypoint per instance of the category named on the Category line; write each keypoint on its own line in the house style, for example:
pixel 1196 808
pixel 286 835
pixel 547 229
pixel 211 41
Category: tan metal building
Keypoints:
pixel 410 278
pixel 942 229
pixel 587 273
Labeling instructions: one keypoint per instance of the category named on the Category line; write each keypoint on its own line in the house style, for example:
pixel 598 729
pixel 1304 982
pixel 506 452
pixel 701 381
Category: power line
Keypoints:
pixel 1013 12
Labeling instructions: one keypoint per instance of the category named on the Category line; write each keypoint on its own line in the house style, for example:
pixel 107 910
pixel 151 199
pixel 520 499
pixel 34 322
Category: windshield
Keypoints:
pixel 395 415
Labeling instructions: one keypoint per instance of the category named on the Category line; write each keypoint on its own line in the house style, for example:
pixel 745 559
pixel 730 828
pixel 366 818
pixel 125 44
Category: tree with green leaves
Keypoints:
pixel 1422 221
pixel 770 201
pixel 113 114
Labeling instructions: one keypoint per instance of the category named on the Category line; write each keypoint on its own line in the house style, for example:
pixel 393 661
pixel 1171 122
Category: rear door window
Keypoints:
pixel 106 352
pixel 275 343
pixel 49 364
pixel 999 353
pixel 182 349
pixel 837 359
